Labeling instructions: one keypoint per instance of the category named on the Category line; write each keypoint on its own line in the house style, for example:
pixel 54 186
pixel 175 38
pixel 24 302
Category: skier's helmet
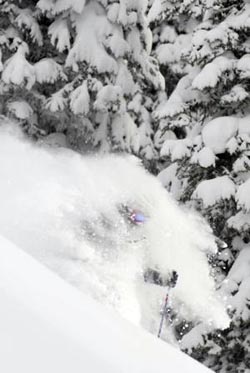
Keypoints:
pixel 137 217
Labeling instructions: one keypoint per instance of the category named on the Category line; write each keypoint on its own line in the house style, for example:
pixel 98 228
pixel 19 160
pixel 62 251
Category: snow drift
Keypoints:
pixel 68 212
pixel 48 326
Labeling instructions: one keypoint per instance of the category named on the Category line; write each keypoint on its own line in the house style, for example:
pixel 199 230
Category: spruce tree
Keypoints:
pixel 80 68
pixel 204 132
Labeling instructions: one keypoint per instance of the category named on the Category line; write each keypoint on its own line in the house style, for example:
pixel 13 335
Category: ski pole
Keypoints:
pixel 172 283
pixel 164 310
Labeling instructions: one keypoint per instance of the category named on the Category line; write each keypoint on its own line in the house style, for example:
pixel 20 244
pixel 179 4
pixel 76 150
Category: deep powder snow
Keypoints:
pixel 68 211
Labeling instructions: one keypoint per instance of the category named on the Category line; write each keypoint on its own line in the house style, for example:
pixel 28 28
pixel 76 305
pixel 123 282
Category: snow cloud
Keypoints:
pixel 69 212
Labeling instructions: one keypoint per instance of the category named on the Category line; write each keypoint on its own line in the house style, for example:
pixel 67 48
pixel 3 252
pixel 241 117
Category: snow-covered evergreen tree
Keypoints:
pixel 172 23
pixel 82 68
pixel 204 129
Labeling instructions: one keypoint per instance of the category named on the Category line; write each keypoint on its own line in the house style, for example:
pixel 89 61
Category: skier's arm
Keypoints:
pixel 153 276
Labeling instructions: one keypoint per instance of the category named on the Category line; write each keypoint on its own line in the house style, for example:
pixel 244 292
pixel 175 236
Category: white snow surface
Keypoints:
pixel 240 221
pixel 65 210
pixel 49 326
pixel 214 190
pixel 155 10
pixel 21 109
pixel 48 70
pixel 206 157
pixel 92 27
pixel 17 70
pixel 211 73
pixel 176 148
pixel 218 132
pixel 244 125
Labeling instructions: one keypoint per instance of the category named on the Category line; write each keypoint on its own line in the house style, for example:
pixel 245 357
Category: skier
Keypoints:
pixel 153 275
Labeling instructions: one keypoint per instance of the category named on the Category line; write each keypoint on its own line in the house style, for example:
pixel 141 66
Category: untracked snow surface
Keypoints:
pixel 70 212
pixel 49 326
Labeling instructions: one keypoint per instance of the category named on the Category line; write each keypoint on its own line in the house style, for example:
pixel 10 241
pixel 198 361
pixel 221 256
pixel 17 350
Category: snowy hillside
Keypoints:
pixel 48 326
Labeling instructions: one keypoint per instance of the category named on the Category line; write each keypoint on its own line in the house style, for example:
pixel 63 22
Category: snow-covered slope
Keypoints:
pixel 46 325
